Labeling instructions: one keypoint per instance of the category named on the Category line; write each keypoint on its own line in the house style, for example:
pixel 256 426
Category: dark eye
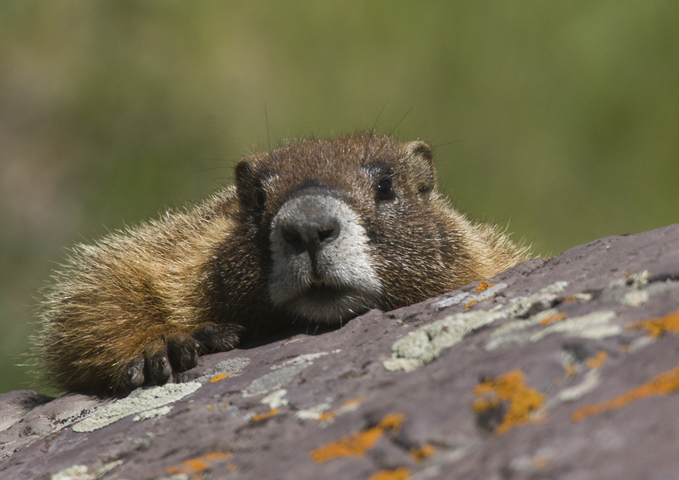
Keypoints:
pixel 385 190
pixel 260 199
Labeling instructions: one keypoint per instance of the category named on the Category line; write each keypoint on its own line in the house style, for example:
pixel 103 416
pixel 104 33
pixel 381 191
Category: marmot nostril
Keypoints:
pixel 293 237
pixel 309 235
pixel 329 233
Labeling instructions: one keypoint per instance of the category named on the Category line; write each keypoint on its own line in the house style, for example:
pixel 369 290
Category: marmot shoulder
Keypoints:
pixel 315 231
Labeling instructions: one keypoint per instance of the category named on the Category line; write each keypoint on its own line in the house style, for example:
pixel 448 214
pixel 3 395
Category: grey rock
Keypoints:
pixel 539 376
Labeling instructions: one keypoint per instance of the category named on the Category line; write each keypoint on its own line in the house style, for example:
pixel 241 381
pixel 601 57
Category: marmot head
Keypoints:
pixel 347 223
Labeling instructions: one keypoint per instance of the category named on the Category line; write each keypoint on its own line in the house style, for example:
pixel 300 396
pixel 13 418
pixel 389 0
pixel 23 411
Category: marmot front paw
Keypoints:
pixel 164 358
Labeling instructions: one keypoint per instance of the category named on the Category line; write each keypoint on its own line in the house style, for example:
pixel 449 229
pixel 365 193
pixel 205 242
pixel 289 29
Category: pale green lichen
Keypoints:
pixel 313 413
pixel 513 332
pixel 636 289
pixel 282 374
pixel 275 399
pixel 274 380
pixel 75 472
pixel 591 381
pixel 146 399
pixel 595 325
pixel 155 412
pixel 426 343
pixel 468 297
pixel 81 472
pixel 229 366
pixel 521 306
pixel 300 360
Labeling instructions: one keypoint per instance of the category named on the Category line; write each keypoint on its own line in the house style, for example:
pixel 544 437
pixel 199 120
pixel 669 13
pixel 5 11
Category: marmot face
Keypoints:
pixel 333 221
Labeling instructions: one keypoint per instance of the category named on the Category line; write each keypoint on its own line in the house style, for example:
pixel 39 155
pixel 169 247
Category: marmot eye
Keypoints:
pixel 385 190
pixel 260 199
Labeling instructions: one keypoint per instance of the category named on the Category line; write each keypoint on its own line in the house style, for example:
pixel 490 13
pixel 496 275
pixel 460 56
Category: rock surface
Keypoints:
pixel 564 368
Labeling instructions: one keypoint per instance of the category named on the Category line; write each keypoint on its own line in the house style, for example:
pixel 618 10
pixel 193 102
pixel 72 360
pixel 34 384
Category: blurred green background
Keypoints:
pixel 560 118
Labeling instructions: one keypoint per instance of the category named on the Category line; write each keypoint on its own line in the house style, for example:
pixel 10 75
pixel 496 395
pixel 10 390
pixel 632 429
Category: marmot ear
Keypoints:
pixel 248 185
pixel 420 160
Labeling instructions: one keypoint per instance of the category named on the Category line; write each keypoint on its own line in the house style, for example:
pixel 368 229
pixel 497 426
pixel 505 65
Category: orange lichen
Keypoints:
pixel 662 384
pixel 354 401
pixel 425 451
pixel 350 446
pixel 471 304
pixel 359 443
pixel 571 370
pixel 598 360
pixel 553 318
pixel 392 421
pixel 658 326
pixel 219 377
pixel 264 416
pixel 623 348
pixel 484 286
pixel 571 299
pixel 194 466
pixel 540 462
pixel 401 473
pixel 348 405
pixel 510 387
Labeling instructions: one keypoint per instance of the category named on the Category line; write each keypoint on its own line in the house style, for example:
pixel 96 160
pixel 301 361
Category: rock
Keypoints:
pixel 558 368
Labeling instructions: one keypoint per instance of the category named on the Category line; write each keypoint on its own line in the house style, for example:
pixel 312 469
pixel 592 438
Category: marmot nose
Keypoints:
pixel 310 234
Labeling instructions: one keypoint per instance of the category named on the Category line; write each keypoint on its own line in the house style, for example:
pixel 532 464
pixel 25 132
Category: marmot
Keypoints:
pixel 315 231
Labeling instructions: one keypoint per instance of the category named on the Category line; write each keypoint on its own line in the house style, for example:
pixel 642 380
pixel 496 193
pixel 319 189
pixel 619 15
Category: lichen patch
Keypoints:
pixel 194 466
pixel 423 452
pixel 426 343
pixel 553 318
pixel 591 381
pixel 485 293
pixel 662 384
pixel 228 367
pixel 273 381
pixel 400 473
pixel 657 327
pixel 637 289
pixel 300 360
pixel 598 359
pixel 155 412
pixel 485 285
pixel 420 347
pixel 359 443
pixel 263 416
pixel 524 306
pixel 320 412
pixel 146 400
pixel 219 377
pixel 275 399
pixel 314 413
pixel 82 472
pixel 508 390
pixel 282 374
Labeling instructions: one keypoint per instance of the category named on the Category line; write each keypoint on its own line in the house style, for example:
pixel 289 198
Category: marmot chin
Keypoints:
pixel 315 231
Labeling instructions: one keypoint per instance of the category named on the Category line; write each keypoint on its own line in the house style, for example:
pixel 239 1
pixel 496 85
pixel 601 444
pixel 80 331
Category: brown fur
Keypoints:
pixel 144 303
